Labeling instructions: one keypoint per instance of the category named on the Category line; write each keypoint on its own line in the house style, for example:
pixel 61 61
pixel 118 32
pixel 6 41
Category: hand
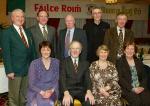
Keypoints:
pixel 11 76
pixel 49 92
pixel 90 97
pixel 138 90
pixel 45 94
pixel 67 99
pixel 103 92
pixel 107 88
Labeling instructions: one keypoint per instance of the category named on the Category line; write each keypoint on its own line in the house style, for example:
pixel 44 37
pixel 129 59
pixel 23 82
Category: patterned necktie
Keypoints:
pixel 67 42
pixel 23 38
pixel 75 65
pixel 44 33
pixel 120 38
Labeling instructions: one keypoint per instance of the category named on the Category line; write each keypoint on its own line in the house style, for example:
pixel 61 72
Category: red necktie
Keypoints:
pixel 23 38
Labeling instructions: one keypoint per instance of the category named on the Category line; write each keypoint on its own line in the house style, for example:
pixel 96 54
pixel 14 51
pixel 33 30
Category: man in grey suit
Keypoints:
pixel 69 34
pixel 42 32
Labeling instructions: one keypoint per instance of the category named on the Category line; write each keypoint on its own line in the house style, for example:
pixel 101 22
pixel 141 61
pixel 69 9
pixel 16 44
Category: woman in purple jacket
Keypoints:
pixel 43 78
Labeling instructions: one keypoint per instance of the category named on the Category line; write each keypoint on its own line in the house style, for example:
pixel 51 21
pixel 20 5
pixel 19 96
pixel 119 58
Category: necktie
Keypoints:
pixel 45 33
pixel 23 38
pixel 67 42
pixel 120 38
pixel 75 65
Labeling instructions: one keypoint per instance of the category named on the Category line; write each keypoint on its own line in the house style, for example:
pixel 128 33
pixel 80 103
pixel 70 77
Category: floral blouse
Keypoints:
pixel 102 78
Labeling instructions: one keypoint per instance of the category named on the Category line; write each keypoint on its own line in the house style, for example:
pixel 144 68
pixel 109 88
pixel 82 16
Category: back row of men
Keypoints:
pixel 91 36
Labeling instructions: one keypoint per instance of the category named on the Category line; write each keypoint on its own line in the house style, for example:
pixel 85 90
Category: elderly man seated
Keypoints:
pixel 74 78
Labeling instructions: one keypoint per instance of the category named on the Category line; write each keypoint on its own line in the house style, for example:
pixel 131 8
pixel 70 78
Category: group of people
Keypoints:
pixel 96 65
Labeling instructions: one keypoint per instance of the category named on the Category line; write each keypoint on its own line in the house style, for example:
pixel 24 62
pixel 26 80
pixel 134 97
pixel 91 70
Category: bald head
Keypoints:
pixel 70 21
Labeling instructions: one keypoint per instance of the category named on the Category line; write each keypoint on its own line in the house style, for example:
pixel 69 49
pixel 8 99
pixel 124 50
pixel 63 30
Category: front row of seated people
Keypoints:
pixel 98 84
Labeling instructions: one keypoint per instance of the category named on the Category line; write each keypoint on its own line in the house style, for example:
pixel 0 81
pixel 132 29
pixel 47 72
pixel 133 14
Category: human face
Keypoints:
pixel 75 50
pixel 97 14
pixel 103 55
pixel 45 52
pixel 129 51
pixel 70 22
pixel 42 18
pixel 18 18
pixel 121 21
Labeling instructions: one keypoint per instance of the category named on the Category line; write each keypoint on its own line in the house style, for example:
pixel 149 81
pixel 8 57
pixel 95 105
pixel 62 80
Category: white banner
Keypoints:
pixel 59 9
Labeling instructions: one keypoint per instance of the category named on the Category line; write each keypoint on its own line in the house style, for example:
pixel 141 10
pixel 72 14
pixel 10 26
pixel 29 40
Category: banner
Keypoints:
pixel 59 9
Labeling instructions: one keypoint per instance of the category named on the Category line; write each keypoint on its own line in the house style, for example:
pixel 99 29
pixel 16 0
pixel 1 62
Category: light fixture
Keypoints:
pixel 110 1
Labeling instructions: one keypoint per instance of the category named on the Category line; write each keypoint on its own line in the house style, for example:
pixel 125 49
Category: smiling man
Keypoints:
pixel 116 36
pixel 18 52
pixel 43 32
pixel 75 81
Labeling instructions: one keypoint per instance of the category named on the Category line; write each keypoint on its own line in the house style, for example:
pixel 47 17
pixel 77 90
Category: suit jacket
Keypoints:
pixel 124 73
pixel 79 35
pixel 111 40
pixel 77 83
pixel 38 38
pixel 16 56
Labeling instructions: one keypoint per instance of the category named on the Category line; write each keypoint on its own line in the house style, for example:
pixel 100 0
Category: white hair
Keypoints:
pixel 16 10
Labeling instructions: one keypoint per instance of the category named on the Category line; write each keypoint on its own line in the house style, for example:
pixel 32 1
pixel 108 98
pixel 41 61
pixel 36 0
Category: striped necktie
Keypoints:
pixel 44 33
pixel 75 65
pixel 67 42
pixel 23 38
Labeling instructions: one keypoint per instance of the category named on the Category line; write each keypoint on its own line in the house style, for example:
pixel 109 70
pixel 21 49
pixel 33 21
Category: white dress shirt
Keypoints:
pixel 18 30
pixel 75 59
pixel 123 31
pixel 71 33
pixel 41 27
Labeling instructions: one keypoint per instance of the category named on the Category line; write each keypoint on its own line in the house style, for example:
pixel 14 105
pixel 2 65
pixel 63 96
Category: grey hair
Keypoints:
pixel 16 10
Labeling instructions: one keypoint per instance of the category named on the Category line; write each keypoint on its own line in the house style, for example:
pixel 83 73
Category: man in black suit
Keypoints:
pixel 69 34
pixel 43 32
pixel 95 32
pixel 75 81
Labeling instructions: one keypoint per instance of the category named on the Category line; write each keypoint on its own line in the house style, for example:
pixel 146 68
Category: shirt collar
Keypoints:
pixel 71 30
pixel 77 59
pixel 16 27
pixel 41 26
pixel 118 29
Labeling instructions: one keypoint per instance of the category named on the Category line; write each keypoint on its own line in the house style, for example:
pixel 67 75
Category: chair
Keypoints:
pixel 76 103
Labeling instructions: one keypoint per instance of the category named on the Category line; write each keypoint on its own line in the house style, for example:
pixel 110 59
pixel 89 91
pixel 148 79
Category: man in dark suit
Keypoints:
pixel 43 32
pixel 95 32
pixel 18 52
pixel 75 81
pixel 116 36
pixel 69 34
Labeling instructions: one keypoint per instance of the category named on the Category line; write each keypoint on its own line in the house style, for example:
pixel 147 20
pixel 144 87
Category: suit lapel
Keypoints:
pixel 49 36
pixel 16 34
pixel 125 35
pixel 74 34
pixel 39 32
pixel 71 66
pixel 128 72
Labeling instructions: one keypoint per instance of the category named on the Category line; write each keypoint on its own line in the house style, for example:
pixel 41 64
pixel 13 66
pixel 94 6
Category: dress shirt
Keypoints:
pixel 71 33
pixel 123 31
pixel 18 30
pixel 41 27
